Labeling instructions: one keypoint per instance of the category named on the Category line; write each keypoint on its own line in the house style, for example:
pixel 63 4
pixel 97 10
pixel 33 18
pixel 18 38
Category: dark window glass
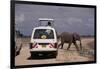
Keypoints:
pixel 43 34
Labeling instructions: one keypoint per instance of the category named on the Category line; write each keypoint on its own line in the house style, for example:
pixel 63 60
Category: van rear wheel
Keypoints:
pixel 33 55
pixel 53 55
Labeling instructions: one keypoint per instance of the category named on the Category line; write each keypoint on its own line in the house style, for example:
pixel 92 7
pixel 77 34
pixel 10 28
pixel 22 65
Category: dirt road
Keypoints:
pixel 72 55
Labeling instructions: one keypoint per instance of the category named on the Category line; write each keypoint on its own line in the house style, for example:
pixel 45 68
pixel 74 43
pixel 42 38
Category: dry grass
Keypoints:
pixel 88 50
pixel 64 55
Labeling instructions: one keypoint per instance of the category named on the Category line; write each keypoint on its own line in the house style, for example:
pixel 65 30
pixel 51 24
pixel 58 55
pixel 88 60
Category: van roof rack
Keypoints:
pixel 45 19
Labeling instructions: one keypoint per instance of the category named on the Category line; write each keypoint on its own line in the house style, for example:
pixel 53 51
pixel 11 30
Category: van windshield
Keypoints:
pixel 43 34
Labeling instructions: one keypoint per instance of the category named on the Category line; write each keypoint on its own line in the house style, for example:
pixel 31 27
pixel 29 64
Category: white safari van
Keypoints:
pixel 44 40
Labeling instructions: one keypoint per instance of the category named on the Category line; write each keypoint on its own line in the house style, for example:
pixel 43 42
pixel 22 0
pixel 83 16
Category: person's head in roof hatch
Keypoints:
pixel 49 24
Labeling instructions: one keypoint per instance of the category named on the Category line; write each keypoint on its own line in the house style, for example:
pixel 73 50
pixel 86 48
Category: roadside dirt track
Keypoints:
pixel 64 56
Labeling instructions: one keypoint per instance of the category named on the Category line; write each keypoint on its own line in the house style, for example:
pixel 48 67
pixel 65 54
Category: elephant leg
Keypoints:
pixel 69 46
pixel 76 45
pixel 59 45
pixel 62 45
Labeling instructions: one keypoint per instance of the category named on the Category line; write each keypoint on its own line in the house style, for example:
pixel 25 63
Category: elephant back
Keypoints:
pixel 66 37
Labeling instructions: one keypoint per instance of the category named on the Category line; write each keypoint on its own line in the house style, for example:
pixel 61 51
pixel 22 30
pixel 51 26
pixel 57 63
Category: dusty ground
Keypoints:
pixel 72 55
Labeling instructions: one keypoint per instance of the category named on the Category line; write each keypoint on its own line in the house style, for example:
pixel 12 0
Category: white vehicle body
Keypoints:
pixel 52 41
pixel 43 39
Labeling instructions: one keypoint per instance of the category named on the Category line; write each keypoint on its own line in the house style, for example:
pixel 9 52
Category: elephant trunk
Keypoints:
pixel 80 45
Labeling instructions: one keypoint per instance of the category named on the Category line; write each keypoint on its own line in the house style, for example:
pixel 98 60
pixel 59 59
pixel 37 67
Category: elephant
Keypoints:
pixel 67 37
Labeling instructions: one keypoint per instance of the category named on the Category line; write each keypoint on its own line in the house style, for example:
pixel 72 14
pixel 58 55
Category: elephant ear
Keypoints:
pixel 76 36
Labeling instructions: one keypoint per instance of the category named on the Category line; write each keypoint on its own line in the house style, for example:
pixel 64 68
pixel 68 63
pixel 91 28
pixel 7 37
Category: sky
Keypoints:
pixel 66 19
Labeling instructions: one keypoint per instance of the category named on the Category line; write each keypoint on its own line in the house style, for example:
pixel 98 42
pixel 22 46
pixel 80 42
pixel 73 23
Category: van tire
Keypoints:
pixel 54 55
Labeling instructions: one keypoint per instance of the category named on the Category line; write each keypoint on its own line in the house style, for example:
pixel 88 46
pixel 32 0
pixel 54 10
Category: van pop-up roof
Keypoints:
pixel 46 20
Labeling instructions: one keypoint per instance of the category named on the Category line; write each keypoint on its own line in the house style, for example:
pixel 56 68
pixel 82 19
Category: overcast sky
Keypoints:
pixel 67 19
